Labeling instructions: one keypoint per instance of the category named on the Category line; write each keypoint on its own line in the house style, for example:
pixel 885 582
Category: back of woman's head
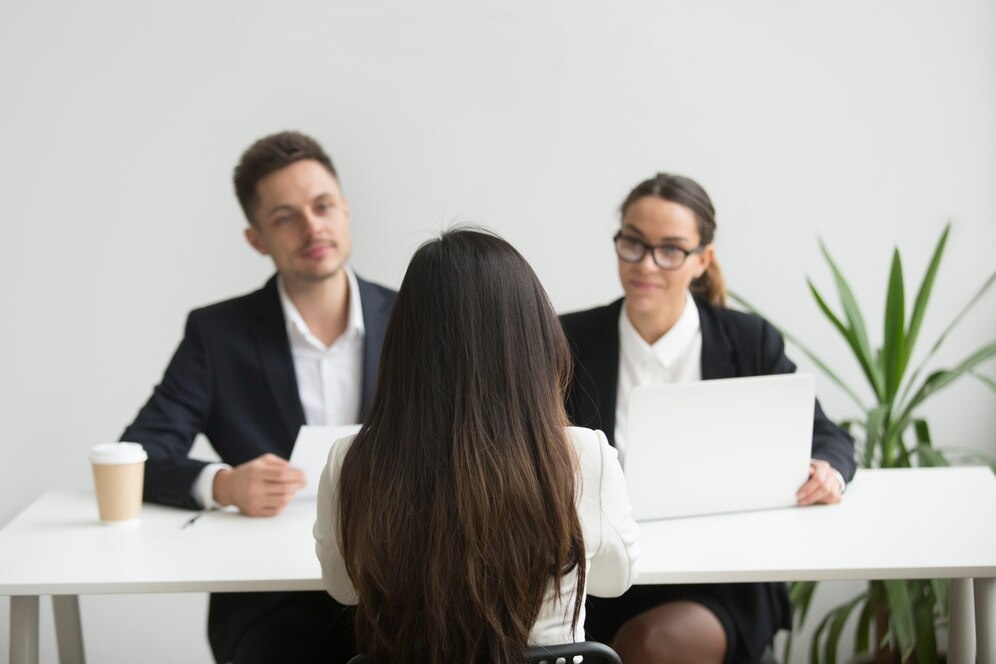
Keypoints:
pixel 457 496
pixel 689 193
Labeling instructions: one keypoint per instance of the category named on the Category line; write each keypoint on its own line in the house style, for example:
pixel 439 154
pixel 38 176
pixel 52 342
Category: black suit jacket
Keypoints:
pixel 734 344
pixel 232 379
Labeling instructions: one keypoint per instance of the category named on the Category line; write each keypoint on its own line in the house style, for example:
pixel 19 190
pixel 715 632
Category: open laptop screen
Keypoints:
pixel 719 446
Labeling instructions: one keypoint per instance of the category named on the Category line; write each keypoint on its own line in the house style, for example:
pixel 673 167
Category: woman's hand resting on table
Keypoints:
pixel 824 486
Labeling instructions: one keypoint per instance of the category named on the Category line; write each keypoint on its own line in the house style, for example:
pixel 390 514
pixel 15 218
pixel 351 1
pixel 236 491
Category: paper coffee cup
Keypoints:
pixel 118 474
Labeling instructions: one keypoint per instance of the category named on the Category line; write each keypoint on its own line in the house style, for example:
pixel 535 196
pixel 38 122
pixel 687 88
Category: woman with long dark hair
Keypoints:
pixel 464 519
pixel 672 326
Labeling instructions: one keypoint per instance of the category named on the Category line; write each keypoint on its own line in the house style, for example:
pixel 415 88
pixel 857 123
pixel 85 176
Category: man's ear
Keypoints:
pixel 254 240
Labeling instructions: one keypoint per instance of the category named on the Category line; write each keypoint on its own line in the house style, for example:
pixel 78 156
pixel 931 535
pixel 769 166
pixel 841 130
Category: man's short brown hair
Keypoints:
pixel 269 154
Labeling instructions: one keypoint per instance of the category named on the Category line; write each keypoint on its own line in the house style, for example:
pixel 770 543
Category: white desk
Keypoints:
pixel 57 547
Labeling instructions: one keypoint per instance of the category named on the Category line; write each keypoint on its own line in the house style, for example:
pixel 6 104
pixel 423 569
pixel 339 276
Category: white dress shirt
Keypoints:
pixel 674 358
pixel 329 378
pixel 611 537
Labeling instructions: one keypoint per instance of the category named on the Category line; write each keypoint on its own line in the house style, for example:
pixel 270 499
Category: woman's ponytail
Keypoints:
pixel 711 286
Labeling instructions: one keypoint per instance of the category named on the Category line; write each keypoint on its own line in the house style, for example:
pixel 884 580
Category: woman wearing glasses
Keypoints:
pixel 672 326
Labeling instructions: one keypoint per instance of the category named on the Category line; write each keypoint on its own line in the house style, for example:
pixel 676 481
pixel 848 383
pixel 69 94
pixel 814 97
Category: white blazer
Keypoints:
pixel 610 537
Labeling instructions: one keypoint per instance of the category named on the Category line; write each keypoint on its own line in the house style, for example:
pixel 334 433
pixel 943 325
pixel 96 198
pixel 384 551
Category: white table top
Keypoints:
pixel 933 522
pixel 58 546
pixel 892 524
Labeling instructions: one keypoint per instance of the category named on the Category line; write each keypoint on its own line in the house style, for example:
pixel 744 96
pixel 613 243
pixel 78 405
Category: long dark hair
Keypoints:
pixel 686 191
pixel 457 497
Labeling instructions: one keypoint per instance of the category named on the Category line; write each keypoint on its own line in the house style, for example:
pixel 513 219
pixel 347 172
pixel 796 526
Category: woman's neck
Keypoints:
pixel 652 325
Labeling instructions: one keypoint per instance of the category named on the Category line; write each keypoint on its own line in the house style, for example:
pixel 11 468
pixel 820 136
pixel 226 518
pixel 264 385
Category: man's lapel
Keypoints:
pixel 376 307
pixel 273 349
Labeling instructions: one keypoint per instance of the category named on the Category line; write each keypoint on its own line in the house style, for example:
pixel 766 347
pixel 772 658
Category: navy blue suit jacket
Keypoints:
pixel 232 379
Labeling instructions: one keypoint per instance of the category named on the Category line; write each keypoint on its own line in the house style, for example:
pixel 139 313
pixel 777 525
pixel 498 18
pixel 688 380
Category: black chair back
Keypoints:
pixel 591 652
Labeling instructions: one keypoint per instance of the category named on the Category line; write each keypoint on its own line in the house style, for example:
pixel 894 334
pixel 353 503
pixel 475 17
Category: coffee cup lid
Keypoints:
pixel 118 453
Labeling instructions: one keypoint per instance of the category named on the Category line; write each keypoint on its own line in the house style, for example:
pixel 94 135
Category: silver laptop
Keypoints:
pixel 718 446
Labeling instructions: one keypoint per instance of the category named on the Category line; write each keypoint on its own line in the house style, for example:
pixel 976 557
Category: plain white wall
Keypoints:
pixel 869 124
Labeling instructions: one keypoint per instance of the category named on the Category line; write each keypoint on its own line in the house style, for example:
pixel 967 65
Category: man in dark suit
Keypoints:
pixel 251 370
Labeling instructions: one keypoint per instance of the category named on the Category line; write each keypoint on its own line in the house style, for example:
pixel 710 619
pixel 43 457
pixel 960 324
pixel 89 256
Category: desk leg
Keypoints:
pixel 24 629
pixel 68 632
pixel 961 623
pixel 985 620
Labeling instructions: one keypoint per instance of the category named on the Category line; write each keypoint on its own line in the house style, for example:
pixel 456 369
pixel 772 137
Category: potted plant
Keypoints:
pixel 896 619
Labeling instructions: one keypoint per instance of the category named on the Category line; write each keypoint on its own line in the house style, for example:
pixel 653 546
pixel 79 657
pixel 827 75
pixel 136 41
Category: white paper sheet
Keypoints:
pixel 311 451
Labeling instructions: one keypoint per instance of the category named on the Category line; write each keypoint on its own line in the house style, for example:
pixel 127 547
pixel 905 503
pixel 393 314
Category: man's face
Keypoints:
pixel 301 222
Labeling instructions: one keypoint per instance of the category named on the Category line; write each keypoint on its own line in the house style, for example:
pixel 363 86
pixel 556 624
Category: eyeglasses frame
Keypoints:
pixel 651 248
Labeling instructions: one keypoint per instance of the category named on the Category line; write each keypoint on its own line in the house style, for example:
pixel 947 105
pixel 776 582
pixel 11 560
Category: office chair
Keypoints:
pixel 564 653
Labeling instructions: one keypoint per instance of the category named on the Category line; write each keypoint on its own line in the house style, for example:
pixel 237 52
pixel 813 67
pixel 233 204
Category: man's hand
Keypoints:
pixel 261 487
pixel 822 488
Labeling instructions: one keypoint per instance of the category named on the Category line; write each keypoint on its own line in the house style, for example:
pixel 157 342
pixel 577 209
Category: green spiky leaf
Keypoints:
pixel 900 615
pixel 856 323
pixel 923 296
pixel 894 337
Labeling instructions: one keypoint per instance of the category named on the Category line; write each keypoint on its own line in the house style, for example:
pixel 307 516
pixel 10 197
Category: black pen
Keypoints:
pixel 191 520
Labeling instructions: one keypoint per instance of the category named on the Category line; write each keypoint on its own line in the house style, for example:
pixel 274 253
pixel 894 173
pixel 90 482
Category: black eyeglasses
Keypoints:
pixel 666 256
